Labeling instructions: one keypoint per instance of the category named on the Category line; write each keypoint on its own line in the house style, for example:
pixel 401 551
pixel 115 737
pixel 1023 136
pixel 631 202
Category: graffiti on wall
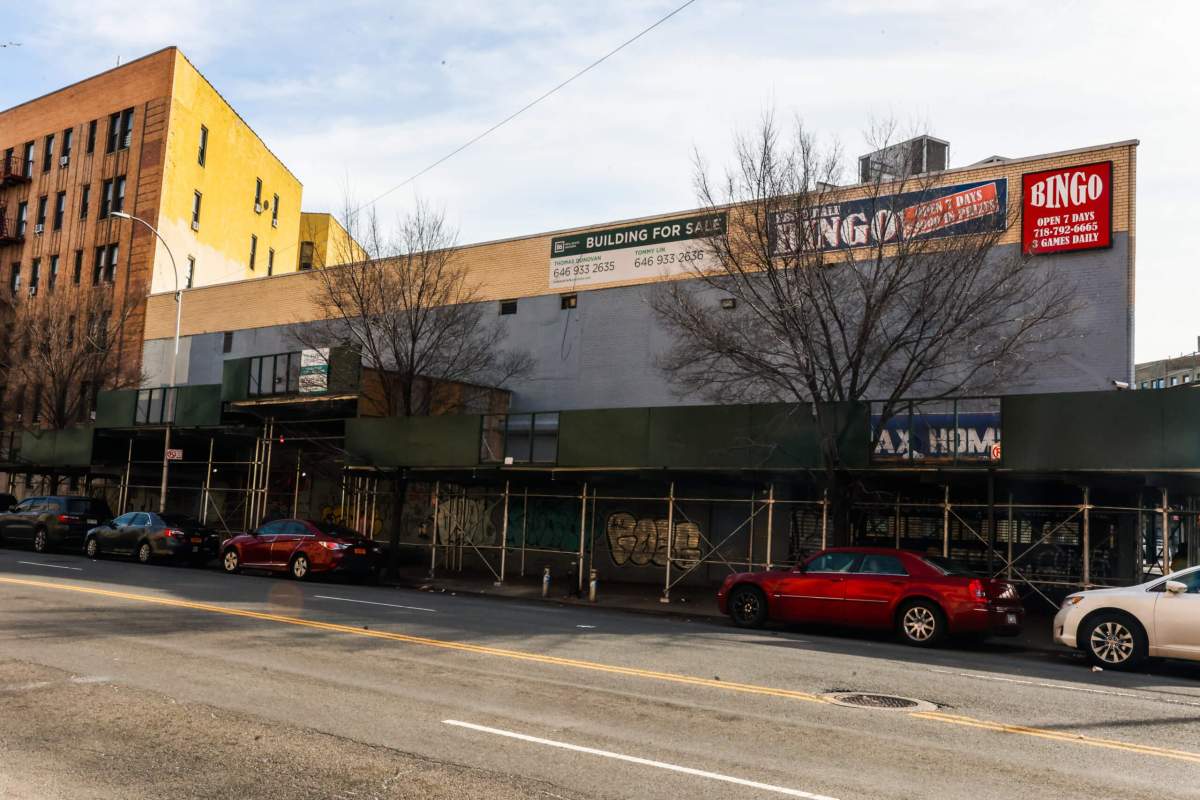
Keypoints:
pixel 462 519
pixel 643 541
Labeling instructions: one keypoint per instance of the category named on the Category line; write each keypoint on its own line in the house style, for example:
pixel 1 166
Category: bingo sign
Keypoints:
pixel 656 249
pixel 1067 209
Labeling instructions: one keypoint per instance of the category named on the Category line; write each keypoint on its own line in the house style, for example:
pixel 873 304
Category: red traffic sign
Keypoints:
pixel 174 455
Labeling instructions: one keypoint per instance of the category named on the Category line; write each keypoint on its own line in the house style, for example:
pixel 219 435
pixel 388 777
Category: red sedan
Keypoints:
pixel 301 548
pixel 924 598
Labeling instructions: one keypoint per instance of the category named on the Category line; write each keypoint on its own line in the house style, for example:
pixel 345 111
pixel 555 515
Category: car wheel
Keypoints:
pixel 92 548
pixel 748 607
pixel 921 623
pixel 1114 641
pixel 40 543
pixel 230 562
pixel 144 553
pixel 300 567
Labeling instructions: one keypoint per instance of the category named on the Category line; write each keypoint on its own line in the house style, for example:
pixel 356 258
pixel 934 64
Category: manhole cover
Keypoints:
pixel 881 702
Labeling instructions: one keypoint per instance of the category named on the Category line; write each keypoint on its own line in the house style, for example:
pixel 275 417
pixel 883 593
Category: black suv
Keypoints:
pixel 58 521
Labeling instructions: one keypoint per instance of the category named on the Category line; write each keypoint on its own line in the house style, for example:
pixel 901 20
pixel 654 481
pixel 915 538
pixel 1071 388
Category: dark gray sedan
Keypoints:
pixel 148 536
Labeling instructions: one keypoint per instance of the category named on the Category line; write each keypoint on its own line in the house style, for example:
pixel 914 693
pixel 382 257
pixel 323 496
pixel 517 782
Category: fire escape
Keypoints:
pixel 12 173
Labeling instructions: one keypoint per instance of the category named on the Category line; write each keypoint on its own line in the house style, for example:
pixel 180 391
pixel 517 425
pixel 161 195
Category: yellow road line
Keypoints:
pixel 427 642
pixel 594 666
pixel 1059 736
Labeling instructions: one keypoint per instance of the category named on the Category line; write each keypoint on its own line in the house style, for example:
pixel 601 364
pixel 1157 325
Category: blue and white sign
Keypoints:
pixel 973 436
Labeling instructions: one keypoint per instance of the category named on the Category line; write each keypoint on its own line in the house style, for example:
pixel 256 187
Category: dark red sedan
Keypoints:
pixel 924 598
pixel 302 548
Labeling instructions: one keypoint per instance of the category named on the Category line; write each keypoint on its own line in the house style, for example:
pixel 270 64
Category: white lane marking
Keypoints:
pixel 586 627
pixel 51 566
pixel 1064 687
pixel 371 603
pixel 716 776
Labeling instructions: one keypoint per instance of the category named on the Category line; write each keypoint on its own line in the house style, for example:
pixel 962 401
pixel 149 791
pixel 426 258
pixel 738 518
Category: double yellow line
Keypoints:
pixel 594 666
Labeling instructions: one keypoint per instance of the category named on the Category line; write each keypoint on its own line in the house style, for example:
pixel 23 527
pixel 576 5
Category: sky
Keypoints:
pixel 358 95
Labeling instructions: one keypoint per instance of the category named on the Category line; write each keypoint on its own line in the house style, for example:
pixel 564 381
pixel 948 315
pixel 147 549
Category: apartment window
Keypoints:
pixel 191 272
pixel 14 279
pixel 68 141
pixel 70 330
pixel 120 130
pixel 28 170
pixel 227 342
pixel 270 261
pixel 78 274
pixel 36 410
pixel 85 396
pixel 253 250
pixel 43 202
pixel 1174 380
pixel 274 211
pixel 53 271
pixel 569 301
pixel 104 267
pixel 1145 384
pixel 306 255
pixel 48 152
pixel 203 153
pixel 258 195
pixel 85 199
pixel 508 307
pixel 196 211
pixel 91 137
pixel 35 270
pixel 22 217
pixel 60 209
pixel 1187 378
pixel 112 197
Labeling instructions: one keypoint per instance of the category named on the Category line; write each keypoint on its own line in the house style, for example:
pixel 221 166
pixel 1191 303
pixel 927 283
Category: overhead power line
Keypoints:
pixel 526 107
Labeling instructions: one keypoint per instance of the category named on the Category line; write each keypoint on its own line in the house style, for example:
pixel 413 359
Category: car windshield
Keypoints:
pixel 948 566
pixel 88 506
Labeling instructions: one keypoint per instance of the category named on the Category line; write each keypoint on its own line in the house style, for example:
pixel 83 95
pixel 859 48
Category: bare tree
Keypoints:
pixel 414 313
pixel 879 291
pixel 63 348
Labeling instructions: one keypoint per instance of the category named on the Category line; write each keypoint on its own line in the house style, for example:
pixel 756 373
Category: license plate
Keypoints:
pixel 93 522
pixel 1010 619
pixel 360 551
pixel 196 540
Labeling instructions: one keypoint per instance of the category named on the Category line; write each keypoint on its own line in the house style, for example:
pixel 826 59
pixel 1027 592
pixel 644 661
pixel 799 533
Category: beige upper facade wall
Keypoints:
pixel 520 267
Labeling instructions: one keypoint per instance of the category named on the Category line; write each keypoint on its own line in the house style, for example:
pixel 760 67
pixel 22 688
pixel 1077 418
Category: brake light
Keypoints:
pixel 328 545
pixel 67 518
pixel 976 590
pixel 173 533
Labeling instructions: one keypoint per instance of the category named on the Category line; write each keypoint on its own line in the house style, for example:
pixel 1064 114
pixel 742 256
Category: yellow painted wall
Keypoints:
pixel 235 157
pixel 331 243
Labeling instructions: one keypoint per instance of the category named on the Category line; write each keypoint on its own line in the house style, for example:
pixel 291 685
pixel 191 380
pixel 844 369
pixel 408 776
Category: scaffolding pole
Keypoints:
pixel 434 534
pixel 207 484
pixel 666 595
pixel 296 488
pixel 503 537
pixel 1087 539
pixel 770 519
pixel 1166 534
pixel 124 499
pixel 750 538
pixel 824 517
pixel 524 527
pixel 582 530
pixel 946 522
pixel 1009 566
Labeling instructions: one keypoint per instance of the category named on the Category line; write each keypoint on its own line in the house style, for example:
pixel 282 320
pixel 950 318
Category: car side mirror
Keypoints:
pixel 1177 587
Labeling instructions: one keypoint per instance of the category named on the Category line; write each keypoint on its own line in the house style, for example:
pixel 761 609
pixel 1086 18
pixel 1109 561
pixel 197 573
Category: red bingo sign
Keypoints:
pixel 1067 209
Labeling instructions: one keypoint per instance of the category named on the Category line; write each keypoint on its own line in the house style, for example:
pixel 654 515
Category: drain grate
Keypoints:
pixel 882 702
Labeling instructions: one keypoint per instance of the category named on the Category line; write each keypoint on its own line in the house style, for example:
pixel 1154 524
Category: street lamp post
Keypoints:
pixel 170 393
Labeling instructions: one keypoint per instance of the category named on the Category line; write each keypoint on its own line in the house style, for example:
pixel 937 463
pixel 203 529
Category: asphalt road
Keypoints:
pixel 122 680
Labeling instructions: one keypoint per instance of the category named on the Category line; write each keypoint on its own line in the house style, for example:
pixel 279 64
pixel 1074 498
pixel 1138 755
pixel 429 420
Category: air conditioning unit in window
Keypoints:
pixel 274 223
pixel 33 290
pixel 38 229
pixel 195 225
pixel 258 208
pixel 64 160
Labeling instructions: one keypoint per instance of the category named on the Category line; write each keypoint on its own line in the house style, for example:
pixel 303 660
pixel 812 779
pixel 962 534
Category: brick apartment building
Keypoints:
pixel 151 138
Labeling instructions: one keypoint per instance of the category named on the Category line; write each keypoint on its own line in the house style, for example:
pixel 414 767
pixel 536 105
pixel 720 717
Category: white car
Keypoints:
pixel 1118 628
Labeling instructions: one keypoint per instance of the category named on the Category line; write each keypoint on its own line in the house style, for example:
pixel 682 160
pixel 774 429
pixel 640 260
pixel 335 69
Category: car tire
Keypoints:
pixel 1114 640
pixel 747 606
pixel 91 548
pixel 230 562
pixel 300 567
pixel 41 544
pixel 145 553
pixel 921 623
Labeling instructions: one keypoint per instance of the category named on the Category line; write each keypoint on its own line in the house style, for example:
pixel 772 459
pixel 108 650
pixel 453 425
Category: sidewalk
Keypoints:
pixel 698 603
